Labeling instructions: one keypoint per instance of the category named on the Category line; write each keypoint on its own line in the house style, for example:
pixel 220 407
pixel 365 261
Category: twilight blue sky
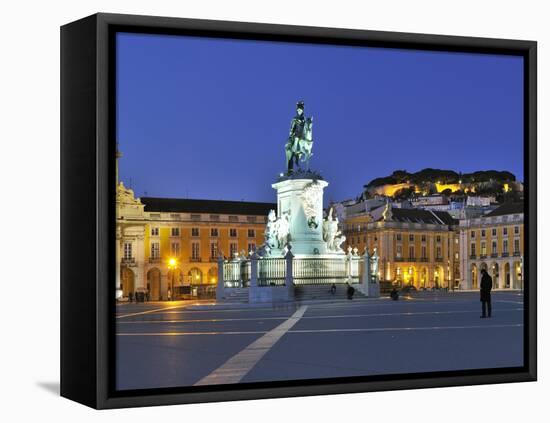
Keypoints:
pixel 208 118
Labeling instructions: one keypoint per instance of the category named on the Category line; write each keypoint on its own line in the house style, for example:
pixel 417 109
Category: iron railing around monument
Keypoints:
pixel 321 271
pixel 271 271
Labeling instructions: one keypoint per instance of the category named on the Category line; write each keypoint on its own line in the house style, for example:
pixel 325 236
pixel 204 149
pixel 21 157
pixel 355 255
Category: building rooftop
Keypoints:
pixel 507 208
pixel 422 216
pixel 181 205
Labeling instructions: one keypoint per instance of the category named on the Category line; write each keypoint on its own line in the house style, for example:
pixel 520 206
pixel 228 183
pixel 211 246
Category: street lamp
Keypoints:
pixel 172 265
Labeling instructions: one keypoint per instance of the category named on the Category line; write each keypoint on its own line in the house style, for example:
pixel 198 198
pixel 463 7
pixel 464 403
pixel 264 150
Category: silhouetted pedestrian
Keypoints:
pixel 130 297
pixel 485 293
pixel 394 294
pixel 333 289
pixel 350 291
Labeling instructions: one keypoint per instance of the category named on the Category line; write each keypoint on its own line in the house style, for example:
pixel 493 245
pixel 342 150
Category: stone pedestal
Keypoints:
pixel 302 201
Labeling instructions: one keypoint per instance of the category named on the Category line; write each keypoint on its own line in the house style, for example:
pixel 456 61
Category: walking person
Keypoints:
pixel 350 291
pixel 485 293
pixel 333 289
pixel 130 296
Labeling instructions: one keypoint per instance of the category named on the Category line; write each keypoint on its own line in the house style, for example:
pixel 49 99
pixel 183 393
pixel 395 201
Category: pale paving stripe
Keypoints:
pixel 256 332
pixel 332 316
pixel 234 369
pixel 155 310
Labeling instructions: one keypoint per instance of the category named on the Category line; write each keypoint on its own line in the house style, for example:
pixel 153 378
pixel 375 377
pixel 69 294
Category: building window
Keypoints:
pixel 399 251
pixel 516 230
pixel 215 217
pixel 473 234
pixel 127 250
pixel 494 232
pixel 411 237
pixel 251 233
pixel 438 253
pixel 251 219
pixel 233 233
pixel 154 231
pixel 516 246
pixel 213 249
pixel 494 248
pixel 233 218
pixel 438 238
pixel 194 231
pixel 195 250
pixel 424 252
pixel 232 248
pixel 483 249
pixel 251 247
pixel 505 246
pixel 155 250
pixel 456 256
pixel 195 217
pixel 423 238
pixel 214 232
pixel 175 232
pixel 411 252
pixel 176 216
pixel 504 231
pixel 483 232
pixel 472 249
pixel 398 237
pixel 175 249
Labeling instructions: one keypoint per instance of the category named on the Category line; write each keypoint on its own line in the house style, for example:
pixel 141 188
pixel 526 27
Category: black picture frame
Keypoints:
pixel 88 215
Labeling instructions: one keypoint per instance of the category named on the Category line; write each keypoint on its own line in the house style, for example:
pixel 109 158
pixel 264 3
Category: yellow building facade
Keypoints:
pixel 170 247
pixel 494 242
pixel 416 247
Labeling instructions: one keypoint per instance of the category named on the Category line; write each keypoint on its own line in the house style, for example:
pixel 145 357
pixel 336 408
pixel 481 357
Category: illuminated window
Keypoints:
pixel 233 232
pixel 214 249
pixel 154 231
pixel 505 246
pixel 483 249
pixel 472 249
pixel 127 250
pixel 195 250
pixel 251 247
pixel 516 245
pixel 232 248
pixel 438 253
pixel 175 248
pixel 399 251
pixel 175 232
pixel 155 250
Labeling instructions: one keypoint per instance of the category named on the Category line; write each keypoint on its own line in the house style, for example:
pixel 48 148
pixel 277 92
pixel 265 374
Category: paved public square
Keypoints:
pixel 187 343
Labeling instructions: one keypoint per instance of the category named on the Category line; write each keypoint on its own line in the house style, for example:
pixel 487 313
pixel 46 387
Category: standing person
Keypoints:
pixel 130 296
pixel 333 289
pixel 485 294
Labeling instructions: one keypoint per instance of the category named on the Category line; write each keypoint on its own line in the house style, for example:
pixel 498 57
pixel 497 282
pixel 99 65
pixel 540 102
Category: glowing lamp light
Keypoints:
pixel 172 262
